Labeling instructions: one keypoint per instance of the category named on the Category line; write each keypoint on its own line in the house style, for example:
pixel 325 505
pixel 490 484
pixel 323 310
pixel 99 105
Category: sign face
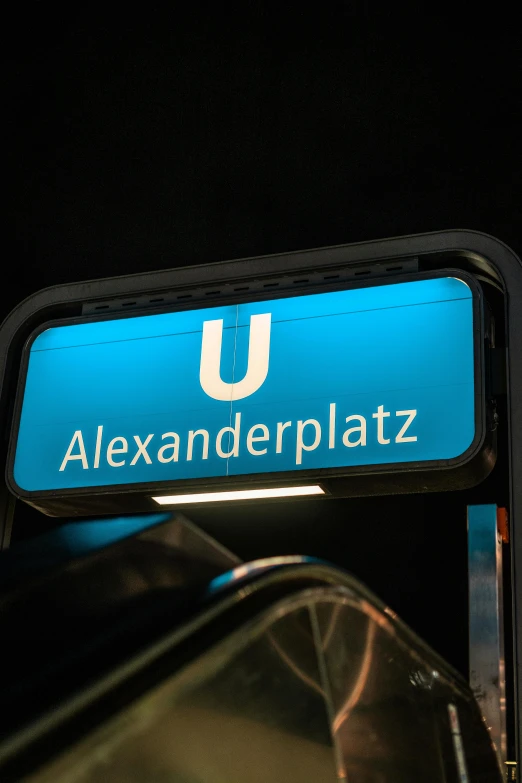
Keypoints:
pixel 381 376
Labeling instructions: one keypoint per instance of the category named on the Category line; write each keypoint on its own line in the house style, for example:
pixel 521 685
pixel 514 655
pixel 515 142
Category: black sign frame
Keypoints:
pixel 466 469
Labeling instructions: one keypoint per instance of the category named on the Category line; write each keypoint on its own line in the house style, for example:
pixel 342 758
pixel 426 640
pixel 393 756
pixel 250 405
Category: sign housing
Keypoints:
pixel 337 384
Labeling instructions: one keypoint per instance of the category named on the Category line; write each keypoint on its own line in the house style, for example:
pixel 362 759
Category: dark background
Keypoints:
pixel 150 142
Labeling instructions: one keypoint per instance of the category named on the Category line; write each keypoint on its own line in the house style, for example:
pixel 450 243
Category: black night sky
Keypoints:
pixel 154 141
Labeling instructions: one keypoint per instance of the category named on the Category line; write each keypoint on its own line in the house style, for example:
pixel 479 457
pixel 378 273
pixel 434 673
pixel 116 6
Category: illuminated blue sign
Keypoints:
pixel 375 376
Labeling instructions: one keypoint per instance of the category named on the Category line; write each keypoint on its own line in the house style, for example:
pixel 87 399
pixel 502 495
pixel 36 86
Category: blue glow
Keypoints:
pixel 79 538
pixel 72 540
pixel 231 579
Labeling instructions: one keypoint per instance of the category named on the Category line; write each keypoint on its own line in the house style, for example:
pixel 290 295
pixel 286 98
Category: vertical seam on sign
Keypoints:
pixel 232 387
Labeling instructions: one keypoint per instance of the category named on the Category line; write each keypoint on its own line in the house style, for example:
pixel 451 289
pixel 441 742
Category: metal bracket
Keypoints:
pixel 486 622
pixel 498 371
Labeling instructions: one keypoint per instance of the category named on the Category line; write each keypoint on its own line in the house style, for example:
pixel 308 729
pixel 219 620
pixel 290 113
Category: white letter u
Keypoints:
pixel 257 367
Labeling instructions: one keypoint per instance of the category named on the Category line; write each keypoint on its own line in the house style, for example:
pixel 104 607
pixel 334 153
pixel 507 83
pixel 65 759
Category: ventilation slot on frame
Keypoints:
pixel 254 288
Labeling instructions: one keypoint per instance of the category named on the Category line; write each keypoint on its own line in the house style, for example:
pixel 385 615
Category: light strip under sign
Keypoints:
pixel 240 494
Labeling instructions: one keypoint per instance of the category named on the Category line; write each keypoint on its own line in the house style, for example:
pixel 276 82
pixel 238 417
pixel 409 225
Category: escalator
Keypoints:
pixel 141 650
